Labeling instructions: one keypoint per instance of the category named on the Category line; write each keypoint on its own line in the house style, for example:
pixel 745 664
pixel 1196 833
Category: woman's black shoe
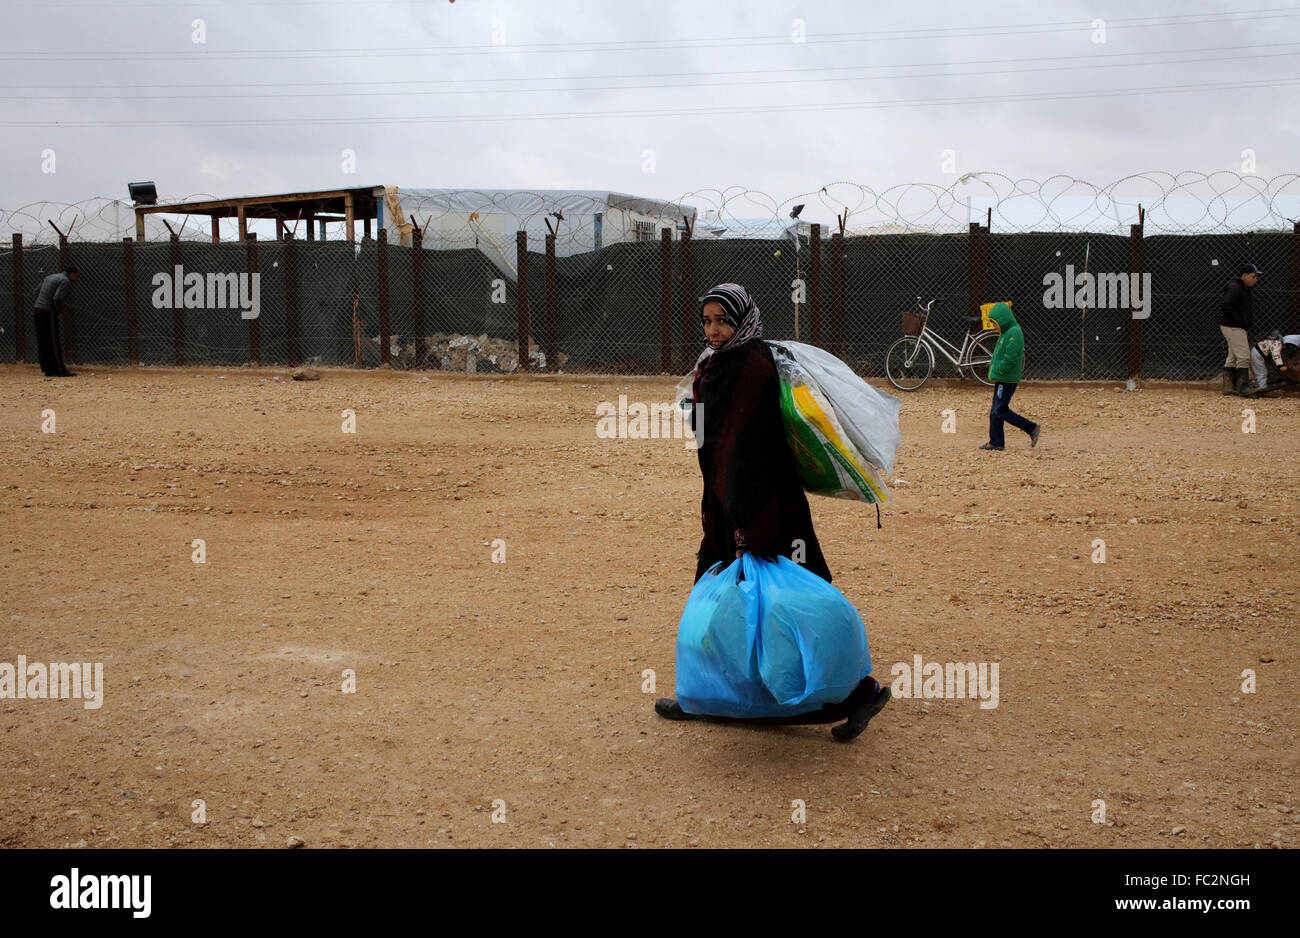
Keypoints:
pixel 851 730
pixel 670 709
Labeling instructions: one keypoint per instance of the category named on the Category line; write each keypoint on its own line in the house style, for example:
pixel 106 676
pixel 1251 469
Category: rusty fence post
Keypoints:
pixel 521 298
pixel 837 294
pixel 1295 279
pixel 291 298
pixel 417 295
pixel 20 320
pixel 385 340
pixel 132 312
pixel 977 259
pixel 254 325
pixel 70 317
pixel 687 311
pixel 1136 265
pixel 178 306
pixel 815 286
pixel 552 341
pixel 666 300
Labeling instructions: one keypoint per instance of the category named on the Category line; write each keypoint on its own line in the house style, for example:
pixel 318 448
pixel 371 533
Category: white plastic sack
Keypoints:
pixel 869 417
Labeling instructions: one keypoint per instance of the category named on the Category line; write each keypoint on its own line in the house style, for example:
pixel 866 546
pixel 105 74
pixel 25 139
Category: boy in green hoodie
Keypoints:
pixel 1008 360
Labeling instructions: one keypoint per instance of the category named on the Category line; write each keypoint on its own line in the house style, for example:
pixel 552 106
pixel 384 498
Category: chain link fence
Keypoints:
pixel 1107 282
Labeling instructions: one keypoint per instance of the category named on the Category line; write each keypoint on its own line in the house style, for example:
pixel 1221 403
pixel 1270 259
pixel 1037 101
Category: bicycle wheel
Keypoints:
pixel 908 363
pixel 980 355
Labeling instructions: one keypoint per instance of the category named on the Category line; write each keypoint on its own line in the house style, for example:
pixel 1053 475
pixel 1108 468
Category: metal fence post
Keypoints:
pixel 69 318
pixel 291 297
pixel 417 295
pixel 254 325
pixel 20 321
pixel 837 294
pixel 385 340
pixel 688 302
pixel 1295 278
pixel 977 271
pixel 1136 265
pixel 132 314
pixel 178 305
pixel 815 285
pixel 666 301
pixel 521 298
pixel 552 342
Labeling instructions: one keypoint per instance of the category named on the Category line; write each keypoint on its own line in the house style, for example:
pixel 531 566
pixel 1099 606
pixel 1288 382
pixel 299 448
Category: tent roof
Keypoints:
pixel 533 201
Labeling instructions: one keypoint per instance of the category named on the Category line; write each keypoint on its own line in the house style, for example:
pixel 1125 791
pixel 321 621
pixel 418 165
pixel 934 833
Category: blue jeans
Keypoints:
pixel 1002 412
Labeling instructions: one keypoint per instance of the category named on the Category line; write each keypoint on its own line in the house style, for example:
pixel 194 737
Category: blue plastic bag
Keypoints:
pixel 778 641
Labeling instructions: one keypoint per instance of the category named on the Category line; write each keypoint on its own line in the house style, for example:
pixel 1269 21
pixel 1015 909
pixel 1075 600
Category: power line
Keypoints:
pixel 642 87
pixel 514 81
pixel 667 112
pixel 654 45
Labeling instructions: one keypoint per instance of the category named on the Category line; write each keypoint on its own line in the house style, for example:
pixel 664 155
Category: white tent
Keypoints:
pixel 487 219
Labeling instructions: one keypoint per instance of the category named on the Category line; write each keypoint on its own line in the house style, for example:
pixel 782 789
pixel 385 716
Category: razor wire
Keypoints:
pixel 610 282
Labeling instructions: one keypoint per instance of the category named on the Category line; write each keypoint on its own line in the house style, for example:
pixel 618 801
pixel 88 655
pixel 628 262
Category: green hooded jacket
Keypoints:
pixel 1009 353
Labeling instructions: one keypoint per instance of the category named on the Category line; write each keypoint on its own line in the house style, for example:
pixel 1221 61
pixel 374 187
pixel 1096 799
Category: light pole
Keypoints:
pixel 794 214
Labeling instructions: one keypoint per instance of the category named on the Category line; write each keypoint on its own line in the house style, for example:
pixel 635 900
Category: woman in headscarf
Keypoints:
pixel 753 497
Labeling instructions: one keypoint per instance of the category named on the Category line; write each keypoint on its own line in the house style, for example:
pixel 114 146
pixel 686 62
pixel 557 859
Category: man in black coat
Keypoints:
pixel 1237 318
pixel 50 302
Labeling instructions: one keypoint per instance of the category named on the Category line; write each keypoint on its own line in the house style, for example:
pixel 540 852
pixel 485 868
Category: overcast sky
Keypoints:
pixel 491 93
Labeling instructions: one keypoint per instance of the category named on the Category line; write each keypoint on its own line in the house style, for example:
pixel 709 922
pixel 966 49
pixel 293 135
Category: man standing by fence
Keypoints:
pixel 1237 318
pixel 50 300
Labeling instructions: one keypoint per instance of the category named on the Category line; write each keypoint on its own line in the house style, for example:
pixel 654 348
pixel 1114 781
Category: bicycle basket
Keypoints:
pixel 913 323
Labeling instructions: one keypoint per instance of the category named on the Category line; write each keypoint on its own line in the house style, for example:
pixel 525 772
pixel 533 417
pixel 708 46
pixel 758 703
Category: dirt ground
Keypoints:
pixel 523 681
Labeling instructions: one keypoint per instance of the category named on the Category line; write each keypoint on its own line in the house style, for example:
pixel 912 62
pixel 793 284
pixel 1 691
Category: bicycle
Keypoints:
pixel 909 362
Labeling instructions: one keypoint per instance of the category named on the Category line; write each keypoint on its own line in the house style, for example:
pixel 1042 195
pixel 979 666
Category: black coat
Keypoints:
pixel 751 483
pixel 1236 305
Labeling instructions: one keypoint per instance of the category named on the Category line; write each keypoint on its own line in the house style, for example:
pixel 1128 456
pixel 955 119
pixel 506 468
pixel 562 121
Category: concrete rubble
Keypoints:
pixel 466 353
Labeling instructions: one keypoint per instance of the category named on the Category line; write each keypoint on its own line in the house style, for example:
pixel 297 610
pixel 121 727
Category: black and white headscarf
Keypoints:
pixel 741 312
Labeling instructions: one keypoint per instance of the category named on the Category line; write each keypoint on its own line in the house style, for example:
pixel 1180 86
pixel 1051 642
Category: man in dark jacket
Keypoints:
pixel 1237 319
pixel 50 303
